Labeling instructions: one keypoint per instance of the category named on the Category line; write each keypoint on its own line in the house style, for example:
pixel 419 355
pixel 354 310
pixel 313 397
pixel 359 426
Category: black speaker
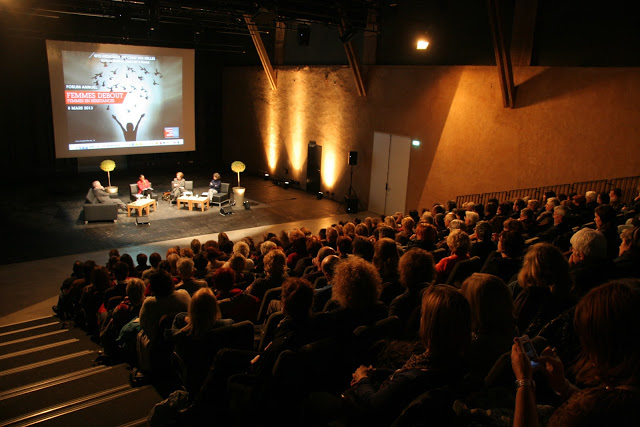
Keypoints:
pixel 353 158
pixel 141 220
pixel 351 203
pixel 246 205
pixel 226 210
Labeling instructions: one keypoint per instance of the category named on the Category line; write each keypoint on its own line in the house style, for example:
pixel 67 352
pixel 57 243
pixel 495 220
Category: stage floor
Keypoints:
pixel 47 234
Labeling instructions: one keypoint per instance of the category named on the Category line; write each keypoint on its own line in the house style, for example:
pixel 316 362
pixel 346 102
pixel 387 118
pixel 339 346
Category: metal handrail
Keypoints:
pixel 629 185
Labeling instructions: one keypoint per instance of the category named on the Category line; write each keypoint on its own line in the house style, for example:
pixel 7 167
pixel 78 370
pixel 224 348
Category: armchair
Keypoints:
pixel 222 196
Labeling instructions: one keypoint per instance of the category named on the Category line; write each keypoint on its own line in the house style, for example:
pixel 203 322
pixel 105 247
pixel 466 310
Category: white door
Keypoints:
pixel 379 167
pixel 389 173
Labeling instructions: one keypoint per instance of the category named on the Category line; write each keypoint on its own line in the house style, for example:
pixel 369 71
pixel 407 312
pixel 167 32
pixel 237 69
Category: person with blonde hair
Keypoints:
pixel 178 186
pixel 195 343
pixel 545 282
pixel 243 249
pixel 459 244
pixel 275 268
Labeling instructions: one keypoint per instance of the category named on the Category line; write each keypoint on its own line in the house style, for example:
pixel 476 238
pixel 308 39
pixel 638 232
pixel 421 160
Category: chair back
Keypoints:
pixel 133 190
pixel 271 294
pixel 188 185
pixel 462 270
pixel 269 329
pixel 438 254
pixel 224 187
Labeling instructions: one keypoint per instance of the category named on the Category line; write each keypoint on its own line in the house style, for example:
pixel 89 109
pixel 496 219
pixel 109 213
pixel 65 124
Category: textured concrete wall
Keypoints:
pixel 569 124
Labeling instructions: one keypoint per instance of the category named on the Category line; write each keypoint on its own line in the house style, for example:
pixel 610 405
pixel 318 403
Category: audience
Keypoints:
pixel 359 273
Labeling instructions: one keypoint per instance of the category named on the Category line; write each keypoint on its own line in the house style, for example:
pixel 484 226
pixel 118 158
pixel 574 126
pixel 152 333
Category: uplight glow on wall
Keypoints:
pixel 329 168
pixel 297 102
pixel 272 132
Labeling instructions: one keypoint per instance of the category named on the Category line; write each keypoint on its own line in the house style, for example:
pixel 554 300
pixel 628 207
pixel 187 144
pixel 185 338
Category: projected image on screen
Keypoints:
pixel 120 99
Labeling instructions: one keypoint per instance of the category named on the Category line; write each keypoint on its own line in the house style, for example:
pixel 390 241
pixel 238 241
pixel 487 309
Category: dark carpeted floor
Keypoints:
pixel 50 222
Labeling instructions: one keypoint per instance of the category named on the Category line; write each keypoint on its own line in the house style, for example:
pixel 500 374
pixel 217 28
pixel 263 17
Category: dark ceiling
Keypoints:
pixel 565 32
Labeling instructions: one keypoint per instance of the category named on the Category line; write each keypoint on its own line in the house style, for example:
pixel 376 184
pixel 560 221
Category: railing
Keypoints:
pixel 629 186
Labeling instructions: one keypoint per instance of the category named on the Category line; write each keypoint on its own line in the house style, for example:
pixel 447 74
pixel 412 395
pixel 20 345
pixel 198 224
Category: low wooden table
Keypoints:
pixel 193 200
pixel 140 205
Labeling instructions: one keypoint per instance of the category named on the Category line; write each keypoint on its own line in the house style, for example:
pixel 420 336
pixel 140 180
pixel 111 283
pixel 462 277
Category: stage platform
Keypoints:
pixel 47 234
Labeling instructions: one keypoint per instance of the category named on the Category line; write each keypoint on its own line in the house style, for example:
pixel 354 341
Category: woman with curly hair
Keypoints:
pixel 459 244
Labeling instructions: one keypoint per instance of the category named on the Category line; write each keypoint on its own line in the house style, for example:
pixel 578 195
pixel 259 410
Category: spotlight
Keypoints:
pixel 422 44
pixel 286 184
pixel 320 195
pixel 266 177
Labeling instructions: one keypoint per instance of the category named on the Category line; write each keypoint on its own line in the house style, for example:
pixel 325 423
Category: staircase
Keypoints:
pixel 48 377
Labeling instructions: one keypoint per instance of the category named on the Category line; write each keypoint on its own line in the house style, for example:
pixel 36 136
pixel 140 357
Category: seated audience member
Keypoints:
pixel 165 299
pixel 518 205
pixel 529 223
pixel 141 259
pixel 100 195
pixel 589 264
pixel 144 186
pixel 154 260
pixel 243 249
pixel 385 260
pixel 558 233
pixel 265 247
pixel 118 290
pixel 545 219
pixel 615 200
pixel 354 298
pixel 604 320
pixel 178 186
pixel 196 246
pixel 364 248
pixel 507 265
pixel 406 231
pixel 201 268
pixel 185 272
pixel 417 271
pixel 459 244
pixel 194 342
pixel 123 313
pixel 64 308
pixel 317 262
pixel 603 198
pixel 344 246
pixel 225 244
pixel 126 258
pixel 628 262
pixel 484 245
pixel 546 285
pixel 275 268
pixel 504 212
pixel 92 298
pixel 313 245
pixel 324 285
pixel 445 333
pixel 237 263
pixel 214 258
pixel 234 303
pixel 470 220
pixel 605 219
pixel 186 252
pixel 425 237
pixel 492 323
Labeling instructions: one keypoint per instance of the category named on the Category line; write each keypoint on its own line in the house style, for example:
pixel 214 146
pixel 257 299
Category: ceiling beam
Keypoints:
pixel 352 57
pixel 503 57
pixel 522 31
pixel 262 52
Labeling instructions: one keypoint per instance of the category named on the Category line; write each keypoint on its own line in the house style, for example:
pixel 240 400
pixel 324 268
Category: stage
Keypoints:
pixel 47 233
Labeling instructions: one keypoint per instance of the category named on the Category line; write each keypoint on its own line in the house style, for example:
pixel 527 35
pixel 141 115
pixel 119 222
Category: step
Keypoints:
pixel 53 325
pixel 49 368
pixel 34 341
pixel 108 407
pixel 27 323
pixel 10 362
pixel 70 387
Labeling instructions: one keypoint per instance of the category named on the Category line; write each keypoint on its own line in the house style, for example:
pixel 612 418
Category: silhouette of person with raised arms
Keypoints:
pixel 130 133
